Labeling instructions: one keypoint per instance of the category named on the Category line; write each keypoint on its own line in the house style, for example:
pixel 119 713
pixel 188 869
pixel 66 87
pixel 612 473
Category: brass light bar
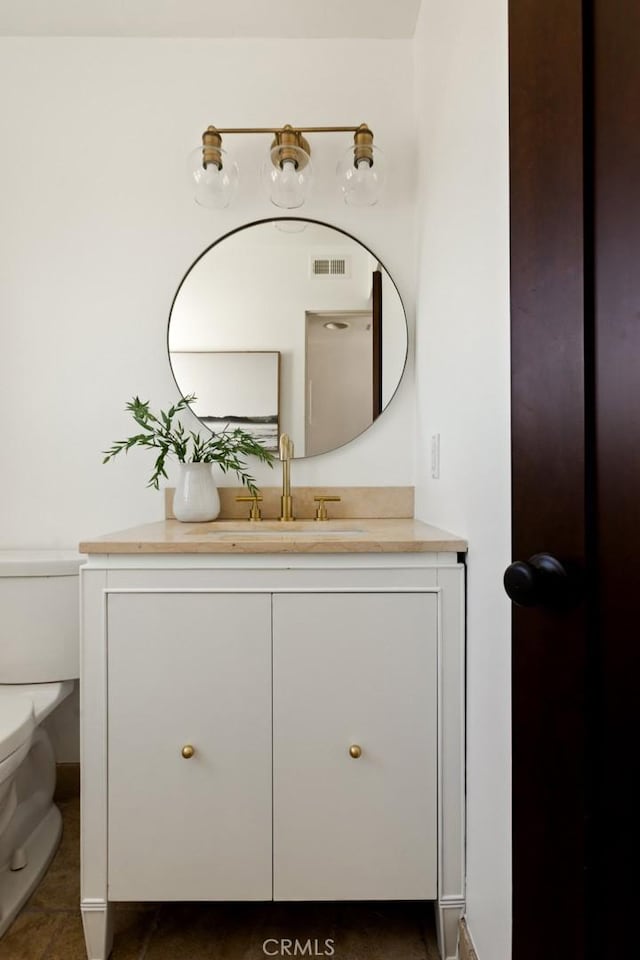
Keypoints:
pixel 287 173
pixel 287 126
pixel 286 138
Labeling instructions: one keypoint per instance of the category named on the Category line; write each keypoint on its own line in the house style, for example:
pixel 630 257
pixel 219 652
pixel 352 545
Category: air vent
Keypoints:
pixel 330 267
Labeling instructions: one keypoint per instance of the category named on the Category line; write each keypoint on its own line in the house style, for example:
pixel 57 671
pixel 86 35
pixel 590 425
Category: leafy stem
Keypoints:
pixel 164 433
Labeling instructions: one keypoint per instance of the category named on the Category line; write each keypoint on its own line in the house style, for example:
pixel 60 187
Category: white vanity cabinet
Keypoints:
pixel 354 672
pixel 189 672
pixel 322 699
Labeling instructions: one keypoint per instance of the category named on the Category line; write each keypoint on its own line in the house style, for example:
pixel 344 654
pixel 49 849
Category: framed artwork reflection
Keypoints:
pixel 237 388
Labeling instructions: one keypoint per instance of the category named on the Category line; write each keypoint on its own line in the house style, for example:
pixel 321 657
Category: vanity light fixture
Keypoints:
pixel 287 172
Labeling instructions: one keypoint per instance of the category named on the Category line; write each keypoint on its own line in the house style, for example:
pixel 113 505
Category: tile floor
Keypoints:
pixel 49 926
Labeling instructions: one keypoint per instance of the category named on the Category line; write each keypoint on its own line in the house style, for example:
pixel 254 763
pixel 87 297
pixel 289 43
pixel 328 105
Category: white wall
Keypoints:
pixel 462 376
pixel 98 228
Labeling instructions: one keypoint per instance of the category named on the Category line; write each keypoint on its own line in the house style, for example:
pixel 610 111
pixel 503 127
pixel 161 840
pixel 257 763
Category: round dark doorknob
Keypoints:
pixel 540 581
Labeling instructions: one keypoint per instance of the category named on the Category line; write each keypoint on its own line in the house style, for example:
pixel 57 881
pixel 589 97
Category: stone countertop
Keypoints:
pixel 272 536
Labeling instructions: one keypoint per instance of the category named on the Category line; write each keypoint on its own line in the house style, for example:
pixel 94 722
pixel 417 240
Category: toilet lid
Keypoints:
pixel 16 722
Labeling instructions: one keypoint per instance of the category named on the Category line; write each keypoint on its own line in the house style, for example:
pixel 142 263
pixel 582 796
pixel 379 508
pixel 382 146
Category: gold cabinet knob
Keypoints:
pixel 355 751
pixel 187 751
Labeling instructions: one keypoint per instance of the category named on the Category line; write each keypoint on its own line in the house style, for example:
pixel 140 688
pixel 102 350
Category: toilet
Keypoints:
pixel 39 664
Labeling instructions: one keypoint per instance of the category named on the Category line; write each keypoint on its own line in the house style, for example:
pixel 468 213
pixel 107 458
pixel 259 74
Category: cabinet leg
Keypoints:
pixel 97 921
pixel 448 916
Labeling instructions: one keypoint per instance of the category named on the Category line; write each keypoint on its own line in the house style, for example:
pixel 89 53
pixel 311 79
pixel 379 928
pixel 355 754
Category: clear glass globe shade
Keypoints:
pixel 288 183
pixel 362 183
pixel 215 187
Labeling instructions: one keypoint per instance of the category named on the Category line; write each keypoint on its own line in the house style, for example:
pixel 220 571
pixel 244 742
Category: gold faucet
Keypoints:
pixel 286 500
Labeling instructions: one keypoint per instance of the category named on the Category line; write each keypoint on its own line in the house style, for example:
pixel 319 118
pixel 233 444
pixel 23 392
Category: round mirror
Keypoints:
pixel 288 326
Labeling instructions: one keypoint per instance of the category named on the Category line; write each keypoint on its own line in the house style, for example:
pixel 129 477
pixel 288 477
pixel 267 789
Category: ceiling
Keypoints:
pixel 309 19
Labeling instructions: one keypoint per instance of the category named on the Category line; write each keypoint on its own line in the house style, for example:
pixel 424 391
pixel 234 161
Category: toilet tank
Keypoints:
pixel 39 615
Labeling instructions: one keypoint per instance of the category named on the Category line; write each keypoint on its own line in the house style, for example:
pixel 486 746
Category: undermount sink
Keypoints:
pixel 274 530
pixel 287 534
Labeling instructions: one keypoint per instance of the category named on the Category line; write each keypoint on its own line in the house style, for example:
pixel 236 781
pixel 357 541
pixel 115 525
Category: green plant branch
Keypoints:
pixel 226 448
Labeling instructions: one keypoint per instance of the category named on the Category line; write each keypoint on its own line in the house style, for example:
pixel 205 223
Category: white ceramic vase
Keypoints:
pixel 196 498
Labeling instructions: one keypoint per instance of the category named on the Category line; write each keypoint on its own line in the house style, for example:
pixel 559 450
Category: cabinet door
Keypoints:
pixel 355 670
pixel 189 668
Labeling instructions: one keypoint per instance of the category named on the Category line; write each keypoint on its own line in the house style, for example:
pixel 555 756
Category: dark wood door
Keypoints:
pixel 575 289
pixel 616 501
pixel 376 333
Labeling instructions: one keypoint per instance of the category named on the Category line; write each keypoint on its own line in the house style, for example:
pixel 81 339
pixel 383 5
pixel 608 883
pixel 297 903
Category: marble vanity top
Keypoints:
pixel 272 536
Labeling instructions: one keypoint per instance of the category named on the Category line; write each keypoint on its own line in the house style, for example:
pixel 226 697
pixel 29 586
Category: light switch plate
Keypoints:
pixel 435 456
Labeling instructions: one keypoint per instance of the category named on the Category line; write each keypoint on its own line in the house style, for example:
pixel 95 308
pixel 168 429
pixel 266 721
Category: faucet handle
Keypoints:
pixel 321 512
pixel 254 512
